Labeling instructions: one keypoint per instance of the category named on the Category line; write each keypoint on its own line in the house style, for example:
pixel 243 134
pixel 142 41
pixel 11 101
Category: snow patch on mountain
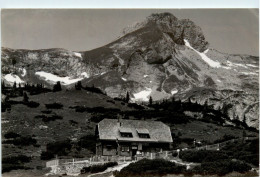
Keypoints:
pixel 78 54
pixel 248 73
pixel 254 66
pixel 241 65
pixel 204 57
pixel 84 74
pixel 174 92
pixel 229 63
pixel 226 67
pixel 124 79
pixel 53 78
pixel 23 71
pixel 13 78
pixel 142 95
pixel 145 76
pixel 218 80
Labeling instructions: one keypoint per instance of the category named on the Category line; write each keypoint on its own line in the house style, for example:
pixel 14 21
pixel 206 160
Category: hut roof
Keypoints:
pixel 109 129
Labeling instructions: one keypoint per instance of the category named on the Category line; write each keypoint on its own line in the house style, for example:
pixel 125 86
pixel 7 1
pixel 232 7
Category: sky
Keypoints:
pixel 234 31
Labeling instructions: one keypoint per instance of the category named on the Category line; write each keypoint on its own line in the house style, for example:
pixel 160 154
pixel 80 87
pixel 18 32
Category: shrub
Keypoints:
pixel 46 111
pixel 88 142
pixel 225 138
pixel 222 167
pixel 202 156
pixel 98 168
pixel 21 141
pixel 48 119
pixel 147 167
pixel 10 167
pixel 14 163
pixel 111 101
pixel 94 89
pixel 11 135
pixel 5 106
pixel 46 155
pixel 59 147
pixel 98 109
pixel 54 106
pixel 118 99
pixel 135 106
pixel 97 118
pixel 51 118
pixel 247 151
pixel 16 159
pixel 40 116
pixel 32 104
pixel 73 122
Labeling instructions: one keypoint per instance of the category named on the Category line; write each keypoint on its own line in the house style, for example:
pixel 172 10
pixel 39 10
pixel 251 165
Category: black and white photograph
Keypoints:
pixel 130 92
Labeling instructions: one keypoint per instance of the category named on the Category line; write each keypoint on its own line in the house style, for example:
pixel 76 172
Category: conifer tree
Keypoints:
pixel 127 97
pixel 57 87
pixel 150 100
pixel 25 97
pixel 13 61
pixel 78 85
pixel 14 86
pixel 3 85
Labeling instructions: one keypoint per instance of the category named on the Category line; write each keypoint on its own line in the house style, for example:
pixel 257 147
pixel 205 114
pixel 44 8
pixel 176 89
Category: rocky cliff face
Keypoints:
pixel 159 57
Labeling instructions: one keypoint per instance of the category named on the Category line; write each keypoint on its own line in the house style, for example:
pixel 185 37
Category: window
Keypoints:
pixel 128 135
pixel 109 147
pixel 143 135
pixel 125 148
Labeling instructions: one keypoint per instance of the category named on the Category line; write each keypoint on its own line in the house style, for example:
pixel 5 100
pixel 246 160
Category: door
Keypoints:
pixel 134 149
pixel 134 154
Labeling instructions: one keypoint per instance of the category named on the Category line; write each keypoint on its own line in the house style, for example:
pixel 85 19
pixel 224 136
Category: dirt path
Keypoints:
pixel 109 171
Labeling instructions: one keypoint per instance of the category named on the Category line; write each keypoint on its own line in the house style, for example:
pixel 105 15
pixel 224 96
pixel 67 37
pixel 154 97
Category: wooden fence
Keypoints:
pixel 104 159
pixel 218 146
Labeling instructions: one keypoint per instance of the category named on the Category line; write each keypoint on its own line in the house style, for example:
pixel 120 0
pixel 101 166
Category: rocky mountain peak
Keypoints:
pixel 177 29
pixel 163 17
pixel 180 29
